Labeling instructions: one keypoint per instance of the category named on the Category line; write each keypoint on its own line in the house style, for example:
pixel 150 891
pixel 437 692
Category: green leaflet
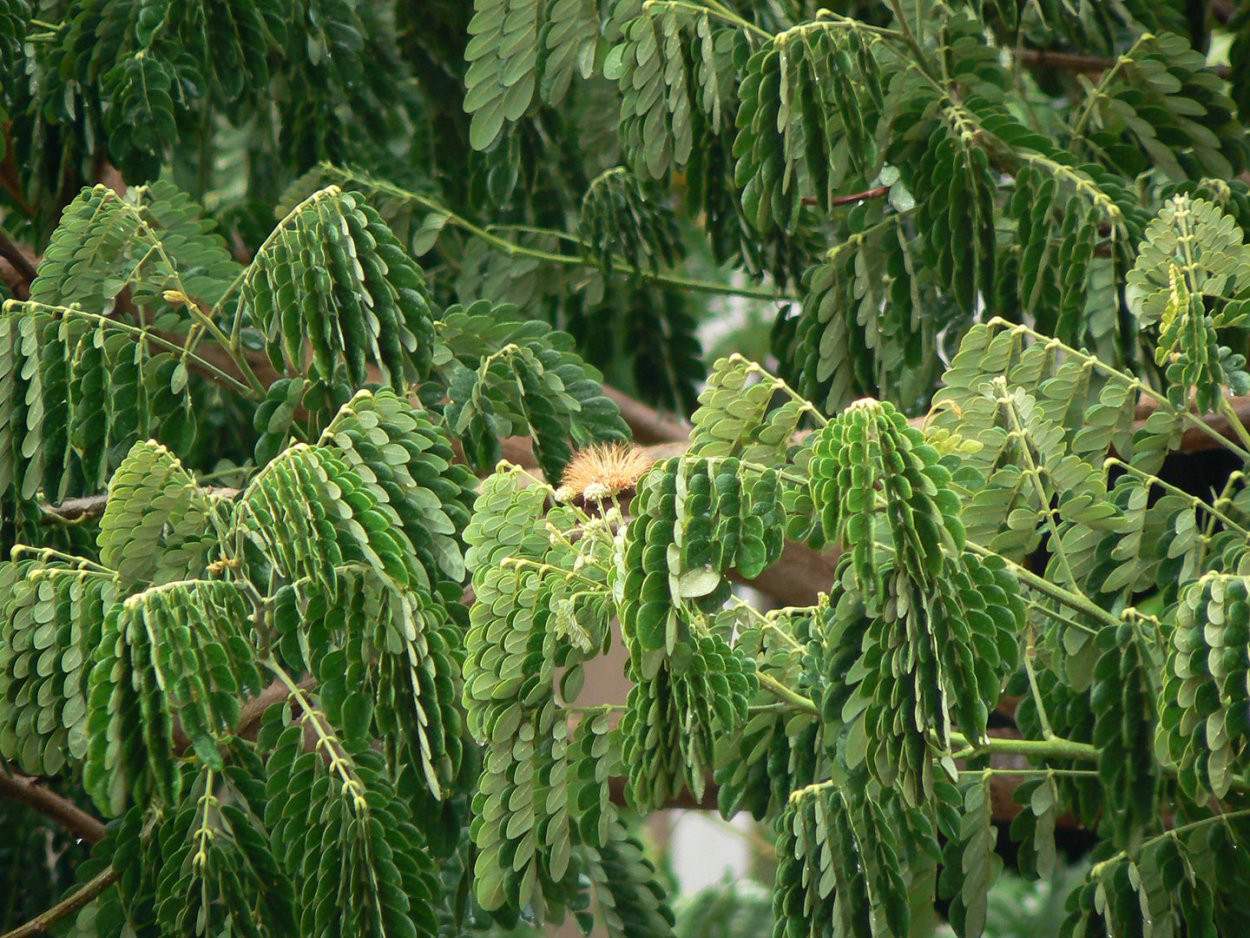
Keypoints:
pixel 1161 106
pixel 673 718
pixel 820 88
pixel 841 865
pixel 870 447
pixel 153 239
pixel 382 436
pixel 1123 700
pixel 158 525
pixel 659 102
pixel 333 280
pixel 774 753
pixel 1192 878
pixel 863 326
pixel 618 217
pixel 970 864
pixel 914 675
pixel 51 617
pixel 181 651
pixel 508 376
pixel 80 388
pixel 309 511
pixel 217 873
pixel 1094 404
pixel 1057 227
pixel 957 214
pixel 630 895
pixel 522 49
pixel 941 627
pixel 1034 827
pixel 1190 239
pixel 387 665
pixel 1203 711
pixel 78 394
pixel 1024 483
pixel 541 801
pixel 736 418
pixel 1193 251
pixel 696 519
pixel 381 879
pixel 154 58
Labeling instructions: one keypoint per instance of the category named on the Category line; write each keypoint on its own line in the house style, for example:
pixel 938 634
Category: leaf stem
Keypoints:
pixel 718 10
pixel 152 337
pixel 785 694
pixel 1197 503
pixel 1046 588
pixel 1056 748
pixel 514 249
pixel 1239 428
pixel 339 762
pixel 1135 384
pixel 1096 869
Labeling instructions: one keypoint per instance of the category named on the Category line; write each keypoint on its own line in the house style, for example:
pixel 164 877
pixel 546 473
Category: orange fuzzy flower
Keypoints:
pixel 601 471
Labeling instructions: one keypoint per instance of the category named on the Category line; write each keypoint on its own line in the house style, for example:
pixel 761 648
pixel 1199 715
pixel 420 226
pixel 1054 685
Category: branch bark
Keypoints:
pixel 41 924
pixel 23 267
pixel 1082 64
pixel 28 791
pixel 877 192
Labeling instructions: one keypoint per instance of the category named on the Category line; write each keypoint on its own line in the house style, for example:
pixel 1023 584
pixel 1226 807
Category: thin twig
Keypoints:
pixel 42 923
pixel 878 192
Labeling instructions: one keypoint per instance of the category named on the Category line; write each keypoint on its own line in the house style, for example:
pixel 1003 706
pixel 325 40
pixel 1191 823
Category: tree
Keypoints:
pixel 313 528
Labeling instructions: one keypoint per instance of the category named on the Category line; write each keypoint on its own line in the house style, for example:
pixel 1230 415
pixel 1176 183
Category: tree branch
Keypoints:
pixel 42 923
pixel 29 792
pixel 875 193
pixel 23 266
pixel 1082 64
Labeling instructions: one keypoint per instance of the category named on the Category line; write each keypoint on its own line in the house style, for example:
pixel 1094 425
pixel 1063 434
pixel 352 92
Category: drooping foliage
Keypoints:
pixel 314 278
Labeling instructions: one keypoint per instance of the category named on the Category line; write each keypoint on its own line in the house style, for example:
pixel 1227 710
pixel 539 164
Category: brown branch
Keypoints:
pixel 648 424
pixel 42 923
pixel 250 713
pixel 29 792
pixel 1082 64
pixel 91 507
pixel 875 193
pixel 23 266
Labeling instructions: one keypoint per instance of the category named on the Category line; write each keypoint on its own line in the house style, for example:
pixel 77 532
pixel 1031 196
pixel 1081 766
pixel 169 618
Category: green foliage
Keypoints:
pixel 52 619
pixel 218 871
pixel 230 450
pixel 507 376
pixel 153 240
pixel 332 275
pixel 158 526
pixel 1202 714
pixel 838 870
pixel 616 216
pixel 57 368
pixel 382 882
pixel 1142 111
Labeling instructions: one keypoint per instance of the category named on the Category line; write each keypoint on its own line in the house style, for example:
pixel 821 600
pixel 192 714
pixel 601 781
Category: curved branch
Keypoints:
pixel 29 792
pixel 41 924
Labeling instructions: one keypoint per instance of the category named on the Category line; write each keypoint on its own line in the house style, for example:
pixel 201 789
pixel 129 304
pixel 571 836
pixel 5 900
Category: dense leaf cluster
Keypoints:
pixel 318 677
